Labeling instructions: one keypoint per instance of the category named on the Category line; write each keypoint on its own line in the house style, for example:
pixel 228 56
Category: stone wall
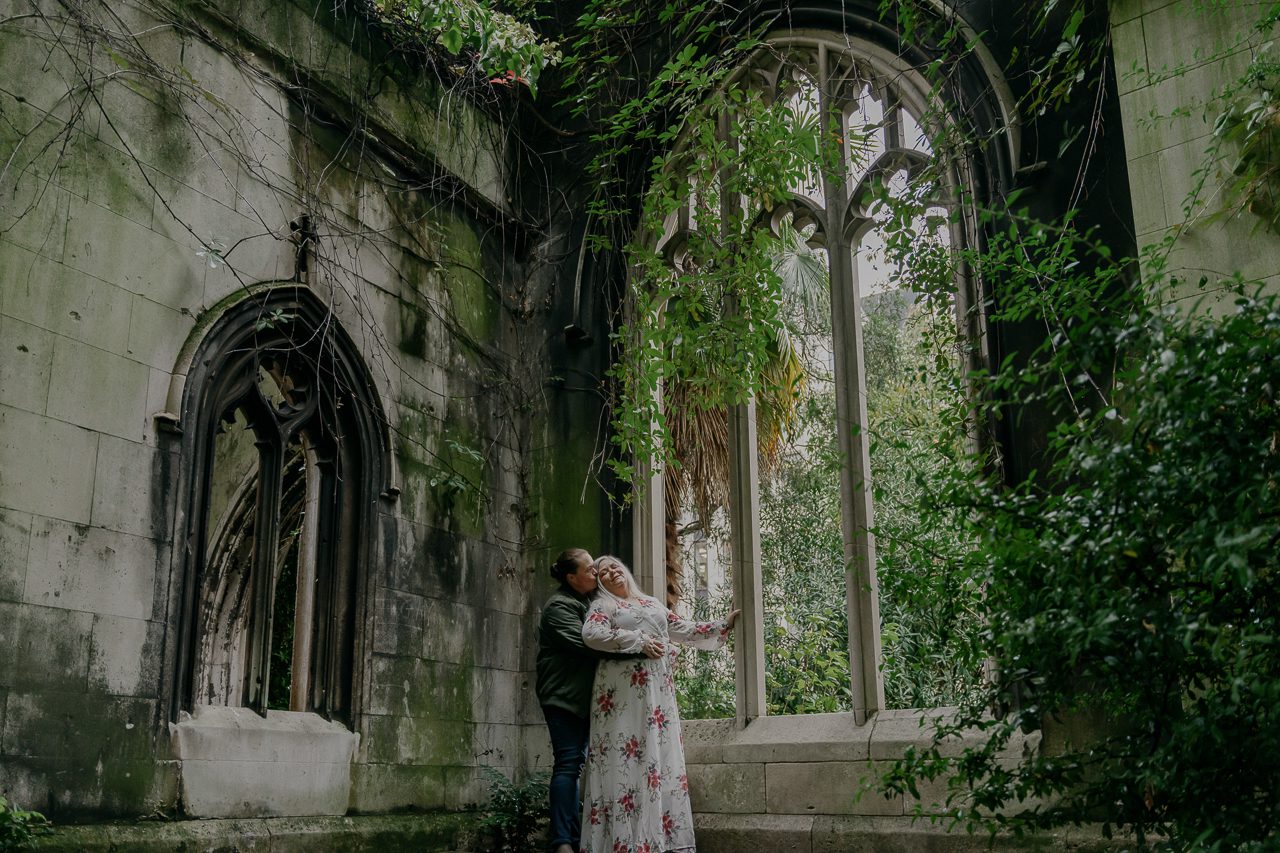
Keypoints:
pixel 808 784
pixel 1176 65
pixel 152 162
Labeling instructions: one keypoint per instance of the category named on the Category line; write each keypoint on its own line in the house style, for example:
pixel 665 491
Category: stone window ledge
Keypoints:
pixel 812 764
pixel 235 763
pixel 810 737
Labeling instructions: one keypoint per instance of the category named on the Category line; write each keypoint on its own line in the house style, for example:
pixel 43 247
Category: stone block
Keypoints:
pixel 419 740
pixel 496 695
pixel 15 541
pixel 502 636
pixel 896 730
pixel 158 132
pixel 250 836
pixel 507 581
pixel 238 764
pixel 91 569
pixel 399 623
pixel 401 215
pixel 35 213
pixel 78 727
pixel 496 743
pixel 108 177
pixel 267 156
pixel 1218 251
pixel 535 745
pixel 250 249
pixel 125 656
pixel 704 740
pixel 47 294
pixel 46 466
pixel 136 259
pixel 98 390
pixel 157 333
pixel 398 686
pixel 412 687
pixel 807 737
pixel 721 833
pixel 43 86
pixel 259 255
pixel 391 787
pixel 727 788
pixel 44 647
pixel 1146 188
pixel 428 561
pixel 1185 36
pixel 835 787
pixel 469 786
pixel 25 360
pixel 1129 52
pixel 132 489
pixel 450 632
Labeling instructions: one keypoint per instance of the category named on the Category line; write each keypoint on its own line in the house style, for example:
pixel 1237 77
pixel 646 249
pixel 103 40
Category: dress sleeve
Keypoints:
pixel 707 636
pixel 599 633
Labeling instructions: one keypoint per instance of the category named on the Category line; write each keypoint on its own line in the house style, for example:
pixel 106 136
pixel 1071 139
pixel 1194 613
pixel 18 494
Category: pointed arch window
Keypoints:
pixel 284 460
pixel 878 106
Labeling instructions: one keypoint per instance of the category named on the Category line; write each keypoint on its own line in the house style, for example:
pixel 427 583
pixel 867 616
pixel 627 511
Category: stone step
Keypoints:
pixel 451 832
pixel 754 833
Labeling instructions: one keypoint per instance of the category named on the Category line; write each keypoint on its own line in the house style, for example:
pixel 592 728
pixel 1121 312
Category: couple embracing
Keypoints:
pixel 604 682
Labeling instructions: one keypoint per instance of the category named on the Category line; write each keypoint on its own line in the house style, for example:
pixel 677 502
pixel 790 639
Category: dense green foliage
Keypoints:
pixel 1138 580
pixel 497 44
pixel 18 827
pixel 517 813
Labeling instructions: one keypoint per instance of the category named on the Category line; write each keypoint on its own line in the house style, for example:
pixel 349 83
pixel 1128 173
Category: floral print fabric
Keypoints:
pixel 635 797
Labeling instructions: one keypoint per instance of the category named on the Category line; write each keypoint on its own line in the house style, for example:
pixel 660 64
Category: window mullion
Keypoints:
pixel 304 611
pixel 861 585
pixel 325 661
pixel 266 539
pixel 744 513
pixel 748 588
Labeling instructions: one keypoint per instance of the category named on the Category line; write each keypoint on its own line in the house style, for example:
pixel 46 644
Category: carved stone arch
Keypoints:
pixel 803 213
pixel 279 367
pixel 858 214
pixel 974 94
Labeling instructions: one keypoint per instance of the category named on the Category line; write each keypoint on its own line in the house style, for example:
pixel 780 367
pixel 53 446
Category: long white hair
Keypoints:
pixel 633 588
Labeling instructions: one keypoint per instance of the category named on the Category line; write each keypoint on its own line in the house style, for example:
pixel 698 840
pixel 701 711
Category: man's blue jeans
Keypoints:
pixel 569 747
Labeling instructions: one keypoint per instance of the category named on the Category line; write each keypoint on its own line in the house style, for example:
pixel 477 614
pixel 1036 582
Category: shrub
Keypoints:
pixel 518 812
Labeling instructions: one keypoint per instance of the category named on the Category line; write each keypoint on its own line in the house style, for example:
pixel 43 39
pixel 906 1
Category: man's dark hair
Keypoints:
pixel 569 562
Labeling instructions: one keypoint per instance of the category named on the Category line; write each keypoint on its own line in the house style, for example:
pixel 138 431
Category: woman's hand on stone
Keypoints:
pixel 733 617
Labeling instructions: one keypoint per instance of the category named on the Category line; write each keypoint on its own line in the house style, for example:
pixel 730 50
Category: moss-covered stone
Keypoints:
pixel 420 833
pixel 556 492
pixel 413 330
pixel 473 302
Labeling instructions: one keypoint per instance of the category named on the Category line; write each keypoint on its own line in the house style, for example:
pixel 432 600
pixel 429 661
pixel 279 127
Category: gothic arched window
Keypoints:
pixel 877 116
pixel 284 460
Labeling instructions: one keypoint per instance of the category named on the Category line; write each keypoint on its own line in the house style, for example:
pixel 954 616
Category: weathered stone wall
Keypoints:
pixel 1175 63
pixel 809 784
pixel 151 164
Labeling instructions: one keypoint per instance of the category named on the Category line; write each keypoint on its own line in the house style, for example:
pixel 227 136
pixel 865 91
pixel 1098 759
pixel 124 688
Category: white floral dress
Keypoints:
pixel 635 797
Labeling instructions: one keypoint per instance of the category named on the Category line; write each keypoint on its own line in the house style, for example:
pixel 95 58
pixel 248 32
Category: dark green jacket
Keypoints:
pixel 566 666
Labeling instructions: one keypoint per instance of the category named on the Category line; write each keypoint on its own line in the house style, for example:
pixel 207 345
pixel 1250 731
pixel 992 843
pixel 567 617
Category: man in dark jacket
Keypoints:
pixel 566 670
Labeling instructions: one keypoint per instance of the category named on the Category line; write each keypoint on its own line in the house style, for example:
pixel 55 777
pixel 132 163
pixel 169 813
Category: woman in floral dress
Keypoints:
pixel 636 794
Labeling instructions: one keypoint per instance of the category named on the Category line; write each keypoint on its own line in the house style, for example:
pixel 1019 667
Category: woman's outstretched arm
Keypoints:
pixel 707 636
